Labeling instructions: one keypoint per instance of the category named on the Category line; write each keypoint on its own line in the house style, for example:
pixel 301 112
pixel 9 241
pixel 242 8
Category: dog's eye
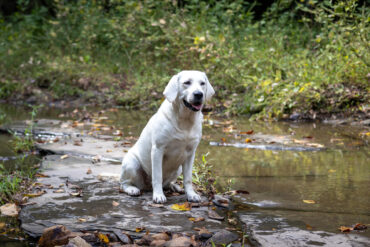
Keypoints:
pixel 187 83
pixel 202 83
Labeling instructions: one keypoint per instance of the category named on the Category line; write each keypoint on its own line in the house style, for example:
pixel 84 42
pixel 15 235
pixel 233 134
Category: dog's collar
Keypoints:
pixel 188 105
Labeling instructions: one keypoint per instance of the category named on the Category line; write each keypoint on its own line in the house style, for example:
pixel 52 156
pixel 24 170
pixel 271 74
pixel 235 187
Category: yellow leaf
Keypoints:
pixel 309 201
pixel 181 207
pixel 139 229
pixel 247 140
pixel 35 194
pixel 196 219
pixel 103 238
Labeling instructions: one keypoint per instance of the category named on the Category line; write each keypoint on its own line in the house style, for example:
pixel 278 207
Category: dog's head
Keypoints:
pixel 190 87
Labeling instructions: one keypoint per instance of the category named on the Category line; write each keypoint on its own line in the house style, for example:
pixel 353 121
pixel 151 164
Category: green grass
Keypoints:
pixel 13 183
pixel 310 59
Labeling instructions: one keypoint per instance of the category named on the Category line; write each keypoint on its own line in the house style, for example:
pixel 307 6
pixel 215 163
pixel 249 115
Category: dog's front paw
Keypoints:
pixel 132 191
pixel 159 198
pixel 193 197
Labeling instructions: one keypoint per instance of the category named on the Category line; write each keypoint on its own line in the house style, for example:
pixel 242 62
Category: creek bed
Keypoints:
pixel 323 164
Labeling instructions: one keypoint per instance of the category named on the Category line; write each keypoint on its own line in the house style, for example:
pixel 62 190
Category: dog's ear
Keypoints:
pixel 210 91
pixel 172 89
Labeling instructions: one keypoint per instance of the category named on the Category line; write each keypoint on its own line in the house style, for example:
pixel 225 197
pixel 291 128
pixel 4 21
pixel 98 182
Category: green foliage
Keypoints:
pixel 13 182
pixel 203 177
pixel 25 142
pixel 285 61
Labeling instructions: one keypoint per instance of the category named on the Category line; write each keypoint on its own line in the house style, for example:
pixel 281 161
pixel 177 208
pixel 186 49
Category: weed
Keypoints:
pixel 203 177
pixel 25 142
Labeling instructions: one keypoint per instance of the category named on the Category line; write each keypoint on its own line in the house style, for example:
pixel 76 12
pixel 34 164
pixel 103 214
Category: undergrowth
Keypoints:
pixel 299 56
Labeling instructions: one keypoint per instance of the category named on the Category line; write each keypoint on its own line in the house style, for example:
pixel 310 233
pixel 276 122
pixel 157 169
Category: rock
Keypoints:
pixel 124 238
pixel 145 240
pixel 213 215
pixel 221 201
pixel 180 241
pixel 55 235
pixel 223 237
pixel 9 209
pixel 78 242
pixel 158 243
pixel 161 236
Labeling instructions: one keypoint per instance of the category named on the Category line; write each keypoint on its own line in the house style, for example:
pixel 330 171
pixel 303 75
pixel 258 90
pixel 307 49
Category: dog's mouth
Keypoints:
pixel 194 106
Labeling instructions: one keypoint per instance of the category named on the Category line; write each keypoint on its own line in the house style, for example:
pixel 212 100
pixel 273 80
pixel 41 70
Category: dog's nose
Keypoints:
pixel 198 95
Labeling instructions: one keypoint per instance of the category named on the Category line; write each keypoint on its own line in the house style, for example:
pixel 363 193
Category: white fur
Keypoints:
pixel 167 144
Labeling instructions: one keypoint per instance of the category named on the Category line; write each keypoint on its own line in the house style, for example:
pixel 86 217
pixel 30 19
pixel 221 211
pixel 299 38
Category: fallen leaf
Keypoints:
pixel 223 139
pixel 156 205
pixel 89 171
pixel 77 194
pixel 81 220
pixel 196 219
pixel 115 204
pixel 103 238
pixel 235 192
pixel 40 175
pixel 59 191
pixel 2 225
pixel 345 229
pixel 308 227
pixel 249 132
pixel 77 143
pixel 247 140
pixel 117 133
pixel 181 207
pixel 36 194
pixel 109 151
pixel 232 221
pixel 139 229
pixel 359 226
pixel 64 157
pixel 309 201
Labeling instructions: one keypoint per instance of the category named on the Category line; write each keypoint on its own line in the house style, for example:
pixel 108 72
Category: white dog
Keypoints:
pixel 167 145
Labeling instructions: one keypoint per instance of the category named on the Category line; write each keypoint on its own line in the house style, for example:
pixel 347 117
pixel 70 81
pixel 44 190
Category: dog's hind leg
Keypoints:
pixel 131 181
pixel 171 185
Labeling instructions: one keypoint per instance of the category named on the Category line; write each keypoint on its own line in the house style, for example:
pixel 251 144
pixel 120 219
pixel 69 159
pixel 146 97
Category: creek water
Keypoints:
pixel 336 177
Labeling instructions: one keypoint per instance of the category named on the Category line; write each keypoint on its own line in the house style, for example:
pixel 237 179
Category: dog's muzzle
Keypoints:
pixel 194 107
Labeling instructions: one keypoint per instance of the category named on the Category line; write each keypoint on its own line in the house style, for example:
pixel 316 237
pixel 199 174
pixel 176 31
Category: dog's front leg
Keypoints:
pixel 187 168
pixel 157 176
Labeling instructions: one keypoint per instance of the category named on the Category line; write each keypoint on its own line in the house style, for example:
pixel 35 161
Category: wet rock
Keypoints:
pixel 181 241
pixel 78 242
pixel 55 235
pixel 145 240
pixel 158 243
pixel 214 215
pixel 223 237
pixel 9 209
pixel 124 238
pixel 221 201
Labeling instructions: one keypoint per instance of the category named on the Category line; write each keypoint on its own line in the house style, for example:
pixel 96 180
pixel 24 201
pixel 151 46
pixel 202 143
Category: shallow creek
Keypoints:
pixel 293 163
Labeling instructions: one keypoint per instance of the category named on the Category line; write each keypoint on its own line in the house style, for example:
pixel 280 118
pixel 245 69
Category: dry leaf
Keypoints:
pixel 249 132
pixel 345 229
pixel 156 205
pixel 196 219
pixel 36 194
pixel 59 191
pixel 359 226
pixel 103 238
pixel 181 207
pixel 213 215
pixel 247 140
pixel 309 201
pixel 40 175
pixel 115 204
pixel 81 220
pixel 9 209
pixel 89 171
pixel 139 229
pixel 64 157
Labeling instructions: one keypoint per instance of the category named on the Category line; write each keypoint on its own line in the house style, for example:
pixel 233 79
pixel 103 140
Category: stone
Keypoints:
pixel 79 242
pixel 214 215
pixel 158 243
pixel 221 201
pixel 161 236
pixel 55 235
pixel 223 237
pixel 124 238
pixel 181 241
pixel 9 209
